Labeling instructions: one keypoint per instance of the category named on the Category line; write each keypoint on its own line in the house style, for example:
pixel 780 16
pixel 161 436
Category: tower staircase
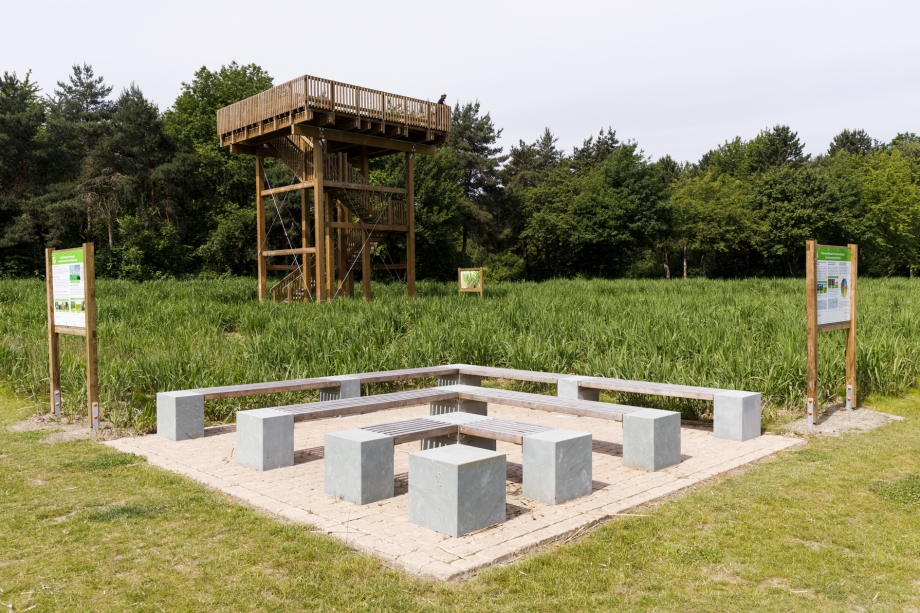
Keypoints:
pixel 377 212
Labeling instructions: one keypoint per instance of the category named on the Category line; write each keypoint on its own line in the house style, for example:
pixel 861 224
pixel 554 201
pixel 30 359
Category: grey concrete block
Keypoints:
pixel 568 388
pixel 651 439
pixel 349 387
pixel 736 415
pixel 180 415
pixel 459 380
pixel 265 439
pixel 358 466
pixel 456 489
pixel 462 439
pixel 456 405
pixel 557 466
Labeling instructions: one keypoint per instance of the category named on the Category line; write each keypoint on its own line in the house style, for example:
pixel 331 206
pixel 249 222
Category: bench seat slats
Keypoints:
pixel 410 430
pixel 366 404
pixel 408 373
pixel 655 389
pixel 271 387
pixel 503 430
pixel 554 404
pixel 511 373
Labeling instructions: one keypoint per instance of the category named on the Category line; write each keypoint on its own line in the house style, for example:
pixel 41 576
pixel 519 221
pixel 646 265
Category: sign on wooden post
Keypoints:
pixel 830 292
pixel 71 285
pixel 470 280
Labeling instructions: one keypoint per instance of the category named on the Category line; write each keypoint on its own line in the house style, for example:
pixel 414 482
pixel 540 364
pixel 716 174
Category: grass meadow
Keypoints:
pixel 747 334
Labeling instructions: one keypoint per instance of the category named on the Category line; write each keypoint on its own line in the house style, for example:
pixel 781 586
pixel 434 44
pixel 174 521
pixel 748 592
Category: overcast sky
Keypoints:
pixel 678 77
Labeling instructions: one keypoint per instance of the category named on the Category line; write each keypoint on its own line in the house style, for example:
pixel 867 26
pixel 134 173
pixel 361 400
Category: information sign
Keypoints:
pixel 70 277
pixel 830 305
pixel 68 283
pixel 469 280
pixel 834 281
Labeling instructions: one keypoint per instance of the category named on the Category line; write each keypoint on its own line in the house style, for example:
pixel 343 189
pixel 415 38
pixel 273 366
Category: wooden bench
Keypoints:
pixel 359 462
pixel 180 415
pixel 263 442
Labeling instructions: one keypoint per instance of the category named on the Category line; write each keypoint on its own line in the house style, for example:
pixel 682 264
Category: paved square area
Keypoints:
pixel 382 528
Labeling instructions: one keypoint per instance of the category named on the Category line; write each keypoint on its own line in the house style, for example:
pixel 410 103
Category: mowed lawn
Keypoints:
pixel 831 526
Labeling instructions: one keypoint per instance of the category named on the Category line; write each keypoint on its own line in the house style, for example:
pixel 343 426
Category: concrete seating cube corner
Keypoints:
pixel 265 439
pixel 736 415
pixel 358 465
pixel 567 387
pixel 349 387
pixel 557 466
pixel 651 439
pixel 456 489
pixel 180 415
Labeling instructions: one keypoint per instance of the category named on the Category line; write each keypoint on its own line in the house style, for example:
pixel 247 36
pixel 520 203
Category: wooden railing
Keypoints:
pixel 295 100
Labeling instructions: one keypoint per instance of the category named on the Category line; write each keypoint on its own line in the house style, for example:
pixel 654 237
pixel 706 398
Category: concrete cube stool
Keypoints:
pixel 736 415
pixel 265 439
pixel 461 439
pixel 358 466
pixel 456 489
pixel 651 439
pixel 557 466
pixel 568 388
pixel 180 415
pixel 349 387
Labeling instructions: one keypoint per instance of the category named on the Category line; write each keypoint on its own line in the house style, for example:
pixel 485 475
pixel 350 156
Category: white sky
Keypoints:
pixel 678 77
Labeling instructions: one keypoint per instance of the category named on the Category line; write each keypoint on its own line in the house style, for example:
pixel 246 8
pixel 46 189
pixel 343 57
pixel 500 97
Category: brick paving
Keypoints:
pixel 382 528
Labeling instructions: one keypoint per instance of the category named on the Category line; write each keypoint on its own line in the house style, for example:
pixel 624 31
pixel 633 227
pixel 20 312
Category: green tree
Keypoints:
pixel 473 139
pixel 854 142
pixel 891 199
pixel 620 211
pixel 23 165
pixel 775 147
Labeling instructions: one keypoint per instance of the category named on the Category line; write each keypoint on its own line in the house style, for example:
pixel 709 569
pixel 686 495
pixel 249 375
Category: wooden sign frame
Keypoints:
pixel 478 290
pixel 89 333
pixel 813 329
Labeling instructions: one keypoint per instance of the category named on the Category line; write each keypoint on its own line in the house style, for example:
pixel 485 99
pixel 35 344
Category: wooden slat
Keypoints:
pixel 840 325
pixel 654 389
pixel 70 330
pixel 539 402
pixel 297 251
pixel 510 373
pixel 411 430
pixel 366 404
pixel 408 373
pixel 503 430
pixel 271 387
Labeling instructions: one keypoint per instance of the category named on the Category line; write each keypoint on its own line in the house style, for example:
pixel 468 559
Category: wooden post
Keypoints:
pixel 319 213
pixel 92 374
pixel 340 248
pixel 54 351
pixel 410 220
pixel 305 235
pixel 851 331
pixel 365 165
pixel 330 253
pixel 260 229
pixel 811 322
pixel 366 267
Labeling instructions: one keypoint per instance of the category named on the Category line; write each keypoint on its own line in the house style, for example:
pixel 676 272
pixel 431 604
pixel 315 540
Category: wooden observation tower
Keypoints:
pixel 326 133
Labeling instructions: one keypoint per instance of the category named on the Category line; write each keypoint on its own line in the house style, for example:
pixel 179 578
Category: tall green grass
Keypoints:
pixel 750 334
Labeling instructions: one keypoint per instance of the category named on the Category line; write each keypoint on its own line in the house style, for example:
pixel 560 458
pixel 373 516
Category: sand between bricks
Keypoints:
pixel 382 528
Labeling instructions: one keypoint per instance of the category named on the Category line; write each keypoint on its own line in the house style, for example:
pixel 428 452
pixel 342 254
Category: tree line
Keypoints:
pixel 160 198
